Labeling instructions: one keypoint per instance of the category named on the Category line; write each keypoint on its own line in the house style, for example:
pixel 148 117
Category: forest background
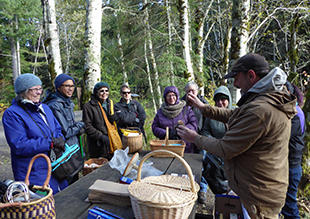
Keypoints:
pixel 151 45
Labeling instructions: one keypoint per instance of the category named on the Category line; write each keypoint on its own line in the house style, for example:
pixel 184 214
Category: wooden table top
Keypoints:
pixel 70 203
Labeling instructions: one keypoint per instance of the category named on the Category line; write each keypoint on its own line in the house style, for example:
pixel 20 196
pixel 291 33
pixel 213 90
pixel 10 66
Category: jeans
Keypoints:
pixel 203 182
pixel 290 209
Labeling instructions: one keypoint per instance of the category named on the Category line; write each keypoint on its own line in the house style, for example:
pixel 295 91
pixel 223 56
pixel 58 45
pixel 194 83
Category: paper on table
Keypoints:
pixel 108 187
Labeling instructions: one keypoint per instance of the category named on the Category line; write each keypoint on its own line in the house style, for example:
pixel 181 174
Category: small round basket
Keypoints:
pixel 99 161
pixel 135 143
pixel 37 208
pixel 171 196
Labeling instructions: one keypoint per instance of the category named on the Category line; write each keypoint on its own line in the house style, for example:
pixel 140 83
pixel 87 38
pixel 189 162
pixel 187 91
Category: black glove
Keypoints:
pixel 173 135
pixel 59 143
pixel 113 117
pixel 82 131
pixel 104 139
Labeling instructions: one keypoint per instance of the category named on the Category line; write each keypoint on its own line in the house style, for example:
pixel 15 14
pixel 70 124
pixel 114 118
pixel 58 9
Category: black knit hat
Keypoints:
pixel 249 61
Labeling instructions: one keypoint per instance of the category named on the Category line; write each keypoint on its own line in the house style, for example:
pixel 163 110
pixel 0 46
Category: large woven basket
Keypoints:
pixel 39 208
pixel 168 145
pixel 171 196
pixel 99 161
pixel 135 143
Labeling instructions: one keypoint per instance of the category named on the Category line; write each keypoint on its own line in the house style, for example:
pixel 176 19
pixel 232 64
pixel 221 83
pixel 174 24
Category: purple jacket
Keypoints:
pixel 161 121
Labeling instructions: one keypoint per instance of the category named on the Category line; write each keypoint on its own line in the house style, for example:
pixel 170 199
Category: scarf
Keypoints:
pixel 66 99
pixel 171 111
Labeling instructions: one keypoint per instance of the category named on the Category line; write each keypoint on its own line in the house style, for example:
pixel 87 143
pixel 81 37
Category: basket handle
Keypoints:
pixel 167 136
pixel 187 167
pixel 49 169
pixel 10 204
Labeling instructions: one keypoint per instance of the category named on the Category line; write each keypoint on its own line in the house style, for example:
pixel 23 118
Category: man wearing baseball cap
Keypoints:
pixel 255 146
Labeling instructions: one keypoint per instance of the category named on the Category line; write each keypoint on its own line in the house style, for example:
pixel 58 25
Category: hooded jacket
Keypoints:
pixel 186 115
pixel 213 128
pixel 255 147
pixel 26 140
pixel 62 109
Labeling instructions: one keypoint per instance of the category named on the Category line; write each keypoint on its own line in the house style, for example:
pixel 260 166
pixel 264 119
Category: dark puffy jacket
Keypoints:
pixel 63 111
pixel 197 112
pixel 95 126
pixel 130 115
pixel 187 116
pixel 26 140
pixel 296 144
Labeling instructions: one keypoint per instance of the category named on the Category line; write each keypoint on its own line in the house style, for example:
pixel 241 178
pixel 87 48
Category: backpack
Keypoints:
pixel 214 173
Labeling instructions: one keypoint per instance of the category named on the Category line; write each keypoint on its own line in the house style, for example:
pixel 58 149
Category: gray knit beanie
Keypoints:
pixel 26 81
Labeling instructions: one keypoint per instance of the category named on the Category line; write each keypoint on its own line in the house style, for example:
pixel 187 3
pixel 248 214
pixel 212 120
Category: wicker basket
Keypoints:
pixel 99 161
pixel 167 145
pixel 134 143
pixel 171 196
pixel 39 208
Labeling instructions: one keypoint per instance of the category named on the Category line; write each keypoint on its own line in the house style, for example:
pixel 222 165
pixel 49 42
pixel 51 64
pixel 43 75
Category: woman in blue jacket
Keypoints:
pixel 29 126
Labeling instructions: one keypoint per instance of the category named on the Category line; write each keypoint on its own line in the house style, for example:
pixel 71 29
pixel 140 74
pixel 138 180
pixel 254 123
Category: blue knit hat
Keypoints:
pixel 60 79
pixel 100 85
pixel 26 81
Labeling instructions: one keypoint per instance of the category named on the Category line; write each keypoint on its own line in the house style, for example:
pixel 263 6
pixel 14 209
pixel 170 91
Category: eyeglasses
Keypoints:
pixel 68 85
pixel 104 90
pixel 126 92
pixel 36 89
pixel 171 95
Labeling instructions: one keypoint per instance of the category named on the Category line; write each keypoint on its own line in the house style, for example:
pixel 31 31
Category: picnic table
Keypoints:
pixel 70 203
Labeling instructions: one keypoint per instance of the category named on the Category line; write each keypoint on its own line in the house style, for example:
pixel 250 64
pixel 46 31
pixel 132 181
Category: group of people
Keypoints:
pixel 262 161
pixel 31 125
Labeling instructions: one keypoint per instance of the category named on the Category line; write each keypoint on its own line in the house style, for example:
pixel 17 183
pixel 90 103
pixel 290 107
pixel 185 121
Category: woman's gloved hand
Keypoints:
pixel 173 135
pixel 113 117
pixel 104 139
pixel 59 143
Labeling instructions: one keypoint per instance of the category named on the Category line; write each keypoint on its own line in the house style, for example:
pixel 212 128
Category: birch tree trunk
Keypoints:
pixel 120 47
pixel 51 38
pixel 14 59
pixel 149 76
pixel 185 28
pixel 92 73
pixel 149 38
pixel 200 17
pixel 17 49
pixel 169 52
pixel 239 36
pixel 293 52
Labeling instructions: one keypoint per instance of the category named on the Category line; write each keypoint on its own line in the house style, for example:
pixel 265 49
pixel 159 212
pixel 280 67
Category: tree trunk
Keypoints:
pixel 185 28
pixel 149 76
pixel 17 48
pixel 149 38
pixel 293 51
pixel 239 36
pixel 14 59
pixel 169 52
pixel 200 17
pixel 51 38
pixel 120 47
pixel 37 51
pixel 92 73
